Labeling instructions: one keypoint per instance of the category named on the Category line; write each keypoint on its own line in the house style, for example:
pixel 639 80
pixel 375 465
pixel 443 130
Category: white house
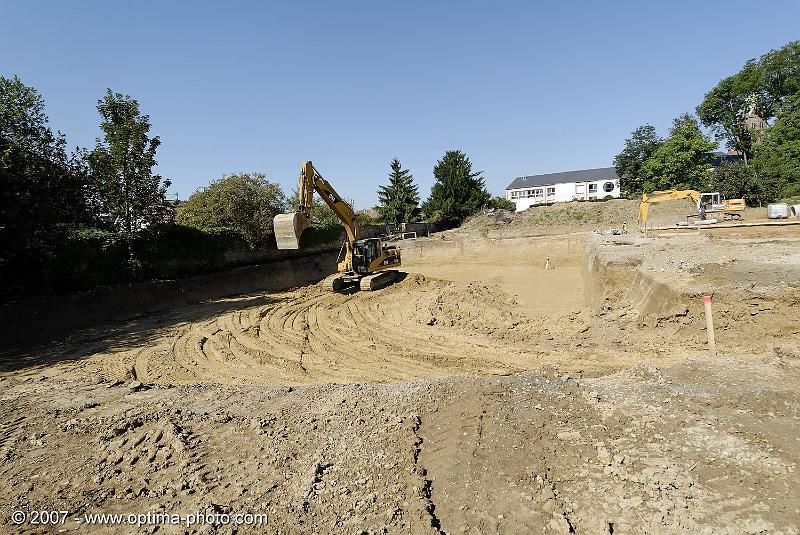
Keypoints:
pixel 587 184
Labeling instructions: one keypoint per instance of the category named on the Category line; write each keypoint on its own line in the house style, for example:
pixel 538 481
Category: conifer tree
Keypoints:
pixel 458 192
pixel 399 200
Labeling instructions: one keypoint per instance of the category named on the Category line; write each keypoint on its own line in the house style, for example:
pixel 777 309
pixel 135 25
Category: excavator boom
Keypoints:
pixel 289 227
pixel 666 195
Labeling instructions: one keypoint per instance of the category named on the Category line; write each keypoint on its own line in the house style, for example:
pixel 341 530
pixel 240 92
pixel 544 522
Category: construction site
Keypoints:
pixel 539 372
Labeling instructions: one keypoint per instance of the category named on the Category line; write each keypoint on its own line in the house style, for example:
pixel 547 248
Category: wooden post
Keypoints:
pixel 712 347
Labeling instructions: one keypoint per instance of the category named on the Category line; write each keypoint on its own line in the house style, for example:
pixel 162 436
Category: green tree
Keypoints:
pixel 244 202
pixel 122 165
pixel 725 108
pixel 681 161
pixel 777 160
pixel 398 201
pixel 781 78
pixel 42 187
pixel 762 87
pixel 638 148
pixel 735 180
pixel 457 193
pixel 501 203
pixel 321 213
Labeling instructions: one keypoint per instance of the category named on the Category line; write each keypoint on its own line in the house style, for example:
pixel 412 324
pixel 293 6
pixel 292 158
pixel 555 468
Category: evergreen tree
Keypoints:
pixel 122 164
pixel 458 191
pixel 399 201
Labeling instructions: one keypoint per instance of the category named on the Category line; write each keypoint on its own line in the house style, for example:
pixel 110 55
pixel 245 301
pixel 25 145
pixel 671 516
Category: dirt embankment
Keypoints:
pixel 576 217
pixel 35 321
pixel 603 304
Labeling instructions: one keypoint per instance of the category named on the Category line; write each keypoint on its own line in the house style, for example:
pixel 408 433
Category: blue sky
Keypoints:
pixel 521 87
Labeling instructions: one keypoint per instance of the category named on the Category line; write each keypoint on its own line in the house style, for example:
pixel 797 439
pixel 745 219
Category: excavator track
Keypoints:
pixel 376 281
pixel 335 283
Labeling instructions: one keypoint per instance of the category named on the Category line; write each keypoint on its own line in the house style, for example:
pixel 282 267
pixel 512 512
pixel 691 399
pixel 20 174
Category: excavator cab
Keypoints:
pixel 711 202
pixel 364 253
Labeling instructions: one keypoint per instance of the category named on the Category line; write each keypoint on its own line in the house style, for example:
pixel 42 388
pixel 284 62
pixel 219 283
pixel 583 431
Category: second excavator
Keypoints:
pixel 704 203
pixel 368 263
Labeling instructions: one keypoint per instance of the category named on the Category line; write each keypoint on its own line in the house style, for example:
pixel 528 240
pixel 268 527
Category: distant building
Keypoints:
pixel 718 158
pixel 371 213
pixel 586 184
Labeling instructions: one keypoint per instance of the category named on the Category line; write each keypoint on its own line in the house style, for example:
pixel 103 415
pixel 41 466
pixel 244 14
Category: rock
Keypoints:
pixel 549 506
pixel 136 386
pixel 559 525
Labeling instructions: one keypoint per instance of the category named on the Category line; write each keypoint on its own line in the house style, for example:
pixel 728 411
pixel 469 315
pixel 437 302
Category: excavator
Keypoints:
pixel 368 263
pixel 704 203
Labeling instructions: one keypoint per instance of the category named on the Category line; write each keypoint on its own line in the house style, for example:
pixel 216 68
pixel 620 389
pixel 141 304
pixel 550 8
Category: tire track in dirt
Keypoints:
pixel 418 328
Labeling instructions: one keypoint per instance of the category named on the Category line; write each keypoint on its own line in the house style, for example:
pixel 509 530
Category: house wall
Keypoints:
pixel 562 192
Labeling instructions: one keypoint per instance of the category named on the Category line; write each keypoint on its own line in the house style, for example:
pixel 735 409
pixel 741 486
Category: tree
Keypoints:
pixel 725 108
pixel 777 159
pixel 681 161
pixel 244 202
pixel 638 148
pixel 781 78
pixel 321 213
pixel 735 180
pixel 458 191
pixel 122 165
pixel 501 203
pixel 399 201
pixel 761 87
pixel 42 188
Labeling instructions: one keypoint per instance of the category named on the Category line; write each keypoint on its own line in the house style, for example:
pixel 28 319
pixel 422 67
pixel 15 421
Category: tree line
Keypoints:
pixel 55 201
pixel 755 111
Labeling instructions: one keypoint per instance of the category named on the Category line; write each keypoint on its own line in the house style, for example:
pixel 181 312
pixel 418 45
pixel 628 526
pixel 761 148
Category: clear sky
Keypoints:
pixel 521 87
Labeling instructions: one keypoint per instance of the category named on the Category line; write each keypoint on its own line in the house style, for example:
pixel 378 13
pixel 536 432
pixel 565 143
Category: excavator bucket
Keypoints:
pixel 288 228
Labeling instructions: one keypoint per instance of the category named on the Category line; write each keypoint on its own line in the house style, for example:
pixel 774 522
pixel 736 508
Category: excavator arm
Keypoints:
pixel 289 227
pixel 666 195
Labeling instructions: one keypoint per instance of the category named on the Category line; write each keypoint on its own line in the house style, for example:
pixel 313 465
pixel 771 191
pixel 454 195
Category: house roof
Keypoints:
pixel 584 175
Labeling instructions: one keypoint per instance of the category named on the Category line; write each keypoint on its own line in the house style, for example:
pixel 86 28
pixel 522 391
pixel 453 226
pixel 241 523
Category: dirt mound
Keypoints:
pixel 577 216
pixel 565 217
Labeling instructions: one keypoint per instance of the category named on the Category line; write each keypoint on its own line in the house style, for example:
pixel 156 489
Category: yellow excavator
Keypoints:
pixel 704 203
pixel 368 263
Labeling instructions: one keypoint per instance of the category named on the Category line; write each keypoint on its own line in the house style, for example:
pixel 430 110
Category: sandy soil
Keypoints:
pixel 482 393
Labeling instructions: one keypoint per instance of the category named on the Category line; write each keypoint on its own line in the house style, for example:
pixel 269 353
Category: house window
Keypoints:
pixel 551 191
pixel 593 188
pixel 608 187
pixel 536 192
pixel 579 188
